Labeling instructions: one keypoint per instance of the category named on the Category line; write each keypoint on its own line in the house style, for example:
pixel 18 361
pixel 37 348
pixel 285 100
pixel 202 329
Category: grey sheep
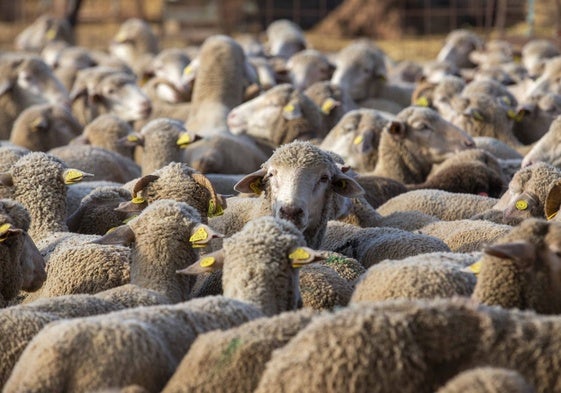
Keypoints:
pixel 233 360
pixel 66 61
pixel 107 131
pixel 372 245
pixel 400 156
pixel 285 38
pixel 535 115
pixel 44 29
pixel 535 53
pixel 423 276
pixel 264 285
pixel 26 80
pixel 487 380
pixel 278 116
pixel 356 138
pixel 458 46
pixel 308 67
pixel 445 205
pixel 23 267
pixel 547 148
pixel 99 90
pixel 300 183
pixel 45 126
pixel 415 339
pixel 521 270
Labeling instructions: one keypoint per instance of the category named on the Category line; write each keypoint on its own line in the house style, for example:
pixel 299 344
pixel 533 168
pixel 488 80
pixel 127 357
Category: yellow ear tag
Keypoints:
pixel 183 140
pixel 328 105
pixel 187 70
pixel 214 211
pixel 477 115
pixel 475 268
pixel 422 101
pixel 121 36
pixel 138 200
pixel 132 138
pixel 51 34
pixel 288 108
pixel 207 262
pixel 521 204
pixel 514 115
pixel 72 176
pixel 4 228
pixel 256 186
pixel 299 255
pixel 200 234
pixel 358 140
pixel 552 216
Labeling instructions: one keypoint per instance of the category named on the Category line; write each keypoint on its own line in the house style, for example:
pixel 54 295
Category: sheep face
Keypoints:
pixel 459 44
pixel 169 66
pixel 426 134
pixel 299 180
pixel 308 67
pixel 358 66
pixel 549 81
pixel 527 191
pixel 124 98
pixel 271 115
pixel 356 137
pixel 539 115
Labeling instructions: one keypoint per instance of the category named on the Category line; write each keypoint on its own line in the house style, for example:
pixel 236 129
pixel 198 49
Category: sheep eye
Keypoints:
pixel 324 179
pixel 111 91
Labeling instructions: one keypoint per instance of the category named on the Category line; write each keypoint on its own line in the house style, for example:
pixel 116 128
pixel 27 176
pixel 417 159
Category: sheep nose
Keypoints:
pixel 469 143
pixel 146 108
pixel 290 213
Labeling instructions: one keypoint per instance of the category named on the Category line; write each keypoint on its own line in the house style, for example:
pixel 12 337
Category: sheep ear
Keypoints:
pixel 186 138
pixel 5 86
pixel 396 129
pixel 329 104
pixel 208 263
pixel 346 186
pixel 523 253
pixel 252 183
pixel 132 206
pixel 300 256
pixel 39 124
pixel 6 179
pixel 7 230
pixel 81 140
pixel 292 111
pixel 80 91
pixel 120 236
pixel 202 234
pixel 553 201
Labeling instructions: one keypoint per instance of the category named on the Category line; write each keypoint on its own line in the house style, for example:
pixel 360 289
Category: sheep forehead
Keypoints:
pixel 299 155
pixel 411 114
pixel 163 125
pixel 39 162
pixel 165 209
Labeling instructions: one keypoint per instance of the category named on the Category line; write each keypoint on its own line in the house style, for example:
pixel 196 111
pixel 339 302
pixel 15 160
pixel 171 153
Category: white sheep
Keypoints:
pixel 285 38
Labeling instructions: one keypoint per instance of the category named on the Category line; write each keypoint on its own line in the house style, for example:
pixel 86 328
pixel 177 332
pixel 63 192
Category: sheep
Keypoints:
pixel 458 46
pixel 135 44
pixel 168 331
pixel 527 192
pixel 332 100
pixel 466 235
pixel 424 276
pixel 23 267
pixel 415 339
pixel 181 183
pixel 9 155
pixel 225 154
pixel 356 138
pixel 66 61
pixel 219 86
pixel 300 183
pixel 497 148
pixel 26 80
pixel 444 205
pixel 487 380
pixel 234 359
pixel 418 138
pixel 548 80
pixel 535 53
pixel 537 114
pixel 372 245
pixel 442 95
pixel 43 30
pixel 278 116
pixel 43 127
pixel 494 52
pixel 100 90
pixel 284 38
pixel 96 213
pixel 546 149
pixel 307 67
pixel 361 70
pixel 164 76
pixel 521 269
pixel 102 163
pixel 107 131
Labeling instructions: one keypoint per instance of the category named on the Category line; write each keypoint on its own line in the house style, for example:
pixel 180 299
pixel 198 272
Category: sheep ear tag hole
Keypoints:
pixel 301 256
pixel 202 235
pixel 73 176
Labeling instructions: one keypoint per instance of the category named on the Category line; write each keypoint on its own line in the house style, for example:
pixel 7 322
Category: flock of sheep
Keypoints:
pixel 253 215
